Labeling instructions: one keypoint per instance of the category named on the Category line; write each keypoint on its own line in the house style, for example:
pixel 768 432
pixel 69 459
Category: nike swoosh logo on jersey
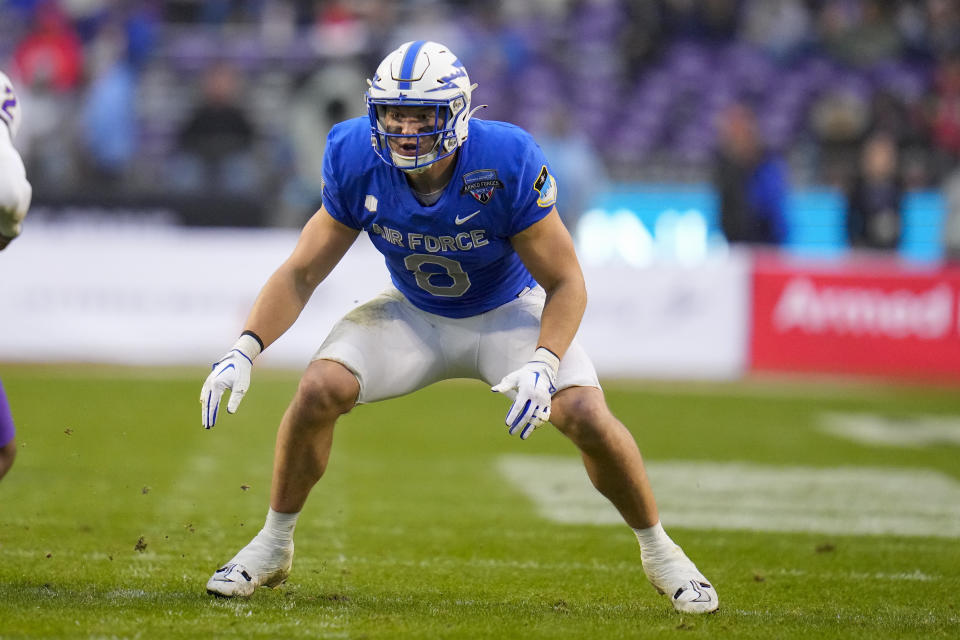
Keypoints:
pixel 458 220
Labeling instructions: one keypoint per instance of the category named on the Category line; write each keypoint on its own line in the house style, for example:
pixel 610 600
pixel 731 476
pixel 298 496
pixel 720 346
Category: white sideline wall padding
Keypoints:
pixel 173 295
pixel 669 320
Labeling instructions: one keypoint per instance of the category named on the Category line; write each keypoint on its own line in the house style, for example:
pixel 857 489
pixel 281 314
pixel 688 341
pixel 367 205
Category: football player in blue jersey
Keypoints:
pixel 486 285
pixel 15 195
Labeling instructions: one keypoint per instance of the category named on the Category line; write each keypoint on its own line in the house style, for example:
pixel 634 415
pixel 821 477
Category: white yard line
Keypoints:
pixel 435 563
pixel 709 495
pixel 913 576
pixel 882 431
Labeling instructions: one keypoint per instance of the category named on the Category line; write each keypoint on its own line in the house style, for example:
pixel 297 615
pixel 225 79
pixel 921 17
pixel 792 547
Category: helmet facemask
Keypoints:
pixel 421 135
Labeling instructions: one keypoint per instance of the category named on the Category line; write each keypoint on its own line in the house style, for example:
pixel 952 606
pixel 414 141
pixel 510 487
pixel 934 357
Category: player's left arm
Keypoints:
pixel 547 251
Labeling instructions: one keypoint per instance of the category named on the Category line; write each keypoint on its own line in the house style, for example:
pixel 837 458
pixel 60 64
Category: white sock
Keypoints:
pixel 279 526
pixel 653 538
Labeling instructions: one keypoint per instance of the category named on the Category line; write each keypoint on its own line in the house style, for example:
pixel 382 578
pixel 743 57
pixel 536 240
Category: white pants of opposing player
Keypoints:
pixel 394 348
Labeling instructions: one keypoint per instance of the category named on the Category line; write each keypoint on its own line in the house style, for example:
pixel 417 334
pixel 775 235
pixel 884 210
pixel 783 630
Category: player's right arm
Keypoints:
pixel 323 242
pixel 15 191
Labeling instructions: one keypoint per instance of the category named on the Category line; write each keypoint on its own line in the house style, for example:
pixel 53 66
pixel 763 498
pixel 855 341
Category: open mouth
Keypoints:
pixel 408 149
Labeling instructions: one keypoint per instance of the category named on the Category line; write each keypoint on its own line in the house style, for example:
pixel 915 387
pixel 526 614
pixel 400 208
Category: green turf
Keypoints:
pixel 120 506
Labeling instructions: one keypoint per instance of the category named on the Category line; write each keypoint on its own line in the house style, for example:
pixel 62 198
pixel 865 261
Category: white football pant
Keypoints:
pixel 394 348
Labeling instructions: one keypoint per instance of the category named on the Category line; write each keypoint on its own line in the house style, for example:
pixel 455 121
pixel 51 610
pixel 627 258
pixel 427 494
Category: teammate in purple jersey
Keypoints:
pixel 15 194
pixel 486 285
pixel 8 447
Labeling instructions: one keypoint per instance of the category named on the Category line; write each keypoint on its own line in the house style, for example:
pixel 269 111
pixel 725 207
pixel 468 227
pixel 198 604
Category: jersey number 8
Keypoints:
pixel 461 281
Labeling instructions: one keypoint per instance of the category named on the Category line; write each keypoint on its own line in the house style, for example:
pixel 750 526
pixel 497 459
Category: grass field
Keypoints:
pixel 120 506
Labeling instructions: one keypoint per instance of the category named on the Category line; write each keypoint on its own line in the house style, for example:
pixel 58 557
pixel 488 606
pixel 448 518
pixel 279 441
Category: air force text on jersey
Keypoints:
pixel 463 241
pixel 453 257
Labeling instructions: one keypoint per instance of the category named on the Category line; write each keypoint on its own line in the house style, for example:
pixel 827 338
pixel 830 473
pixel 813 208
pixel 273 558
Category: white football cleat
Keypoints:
pixel 261 563
pixel 672 573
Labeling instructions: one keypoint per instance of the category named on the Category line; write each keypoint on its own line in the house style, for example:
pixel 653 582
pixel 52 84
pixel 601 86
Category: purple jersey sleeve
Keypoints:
pixel 6 419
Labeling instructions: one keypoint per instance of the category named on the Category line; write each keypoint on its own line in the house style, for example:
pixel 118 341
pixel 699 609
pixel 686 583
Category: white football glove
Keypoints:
pixel 232 372
pixel 535 383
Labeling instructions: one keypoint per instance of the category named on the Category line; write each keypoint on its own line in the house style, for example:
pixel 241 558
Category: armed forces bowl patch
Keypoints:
pixel 480 184
pixel 546 186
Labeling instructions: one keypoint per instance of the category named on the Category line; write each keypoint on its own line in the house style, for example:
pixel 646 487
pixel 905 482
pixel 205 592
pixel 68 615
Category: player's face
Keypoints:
pixel 407 122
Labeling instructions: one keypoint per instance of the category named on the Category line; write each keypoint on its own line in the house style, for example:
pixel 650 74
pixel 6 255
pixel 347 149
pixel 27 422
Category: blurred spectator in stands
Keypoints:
pixel 579 171
pixel 217 143
pixel 781 28
pixel 46 139
pixel 911 21
pixel 212 12
pixel 875 196
pixel 903 119
pixel 495 45
pixel 380 16
pixel 859 34
pixel 333 94
pixel 945 113
pixel 951 230
pixel 109 130
pixel 889 113
pixel 23 7
pixel 839 119
pixel 339 30
pixel 48 62
pixel 641 35
pixel 492 39
pixel 708 20
pixel 50 54
pixel 750 181
pixel 943 26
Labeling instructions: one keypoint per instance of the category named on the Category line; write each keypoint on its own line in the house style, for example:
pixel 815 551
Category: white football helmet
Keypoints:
pixel 421 74
pixel 9 105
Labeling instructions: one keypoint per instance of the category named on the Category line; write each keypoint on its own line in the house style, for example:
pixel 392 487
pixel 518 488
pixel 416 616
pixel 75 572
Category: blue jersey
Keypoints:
pixel 454 257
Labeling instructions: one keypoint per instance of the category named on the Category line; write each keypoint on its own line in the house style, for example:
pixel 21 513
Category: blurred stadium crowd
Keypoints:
pixel 235 97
